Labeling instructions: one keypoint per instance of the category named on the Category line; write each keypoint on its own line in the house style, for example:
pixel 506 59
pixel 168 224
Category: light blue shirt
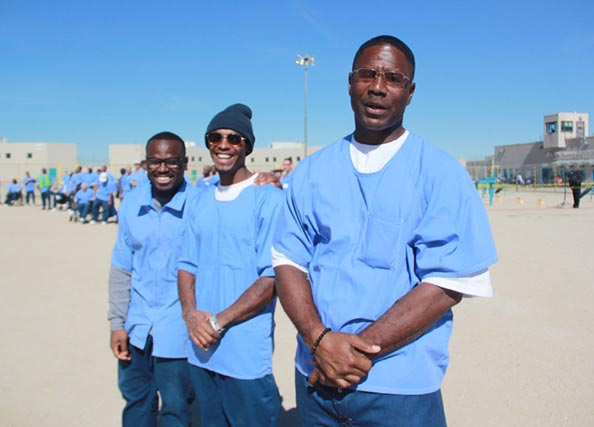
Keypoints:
pixel 369 238
pixel 104 190
pixel 212 180
pixel 227 246
pixel 148 245
pixel 76 179
pixel 83 197
pixel 125 184
pixel 14 188
pixel 29 182
pixel 90 178
pixel 139 177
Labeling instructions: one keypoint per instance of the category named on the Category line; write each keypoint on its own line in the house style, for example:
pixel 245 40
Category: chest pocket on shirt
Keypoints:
pixel 381 245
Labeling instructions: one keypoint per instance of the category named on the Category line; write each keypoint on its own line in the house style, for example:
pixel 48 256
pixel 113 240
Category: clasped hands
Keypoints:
pixel 342 360
pixel 200 329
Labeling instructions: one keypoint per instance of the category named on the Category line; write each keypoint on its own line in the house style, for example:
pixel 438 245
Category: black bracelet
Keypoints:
pixel 315 345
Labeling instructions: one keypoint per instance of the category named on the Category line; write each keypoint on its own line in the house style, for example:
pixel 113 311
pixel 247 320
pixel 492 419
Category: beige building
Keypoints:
pixel 16 158
pixel 262 159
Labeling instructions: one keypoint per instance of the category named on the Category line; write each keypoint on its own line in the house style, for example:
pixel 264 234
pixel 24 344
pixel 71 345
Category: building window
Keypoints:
pixel 29 155
pixel 252 160
pixel 199 159
pixel 192 158
pixel 566 126
pixel 274 159
pixel 551 127
pixel 267 159
pixel 7 156
pixel 298 158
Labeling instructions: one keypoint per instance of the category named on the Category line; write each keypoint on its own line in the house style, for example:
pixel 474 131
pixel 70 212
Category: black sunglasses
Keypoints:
pixel 215 138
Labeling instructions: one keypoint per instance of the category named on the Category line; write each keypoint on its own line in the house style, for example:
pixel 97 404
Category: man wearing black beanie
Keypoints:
pixel 226 282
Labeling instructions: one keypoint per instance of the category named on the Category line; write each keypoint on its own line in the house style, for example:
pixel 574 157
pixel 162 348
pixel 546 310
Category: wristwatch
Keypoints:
pixel 215 325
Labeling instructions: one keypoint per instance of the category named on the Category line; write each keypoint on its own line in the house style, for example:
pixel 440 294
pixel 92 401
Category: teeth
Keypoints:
pixel 223 156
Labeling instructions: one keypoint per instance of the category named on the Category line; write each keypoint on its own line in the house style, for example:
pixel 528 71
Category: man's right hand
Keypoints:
pixel 343 359
pixel 119 345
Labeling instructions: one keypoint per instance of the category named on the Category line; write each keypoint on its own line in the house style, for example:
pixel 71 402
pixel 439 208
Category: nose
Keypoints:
pixel 162 167
pixel 378 85
pixel 224 143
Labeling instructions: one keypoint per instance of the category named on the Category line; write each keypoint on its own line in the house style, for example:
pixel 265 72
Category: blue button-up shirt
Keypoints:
pixel 148 245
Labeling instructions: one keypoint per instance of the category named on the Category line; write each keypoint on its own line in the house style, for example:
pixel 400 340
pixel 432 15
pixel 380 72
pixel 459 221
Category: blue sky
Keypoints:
pixel 116 72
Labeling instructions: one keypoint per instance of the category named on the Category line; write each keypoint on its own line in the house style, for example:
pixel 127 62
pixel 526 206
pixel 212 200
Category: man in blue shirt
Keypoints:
pixel 209 177
pixel 14 193
pixel 148 334
pixel 380 236
pixel 104 190
pixel 29 183
pixel 226 283
pixel 82 200
pixel 287 169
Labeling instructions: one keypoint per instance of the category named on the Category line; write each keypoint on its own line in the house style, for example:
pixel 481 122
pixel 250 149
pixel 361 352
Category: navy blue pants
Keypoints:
pixel 331 407
pixel 231 402
pixel 139 381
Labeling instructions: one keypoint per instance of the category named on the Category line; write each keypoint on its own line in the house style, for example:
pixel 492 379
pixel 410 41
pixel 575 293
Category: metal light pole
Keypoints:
pixel 305 61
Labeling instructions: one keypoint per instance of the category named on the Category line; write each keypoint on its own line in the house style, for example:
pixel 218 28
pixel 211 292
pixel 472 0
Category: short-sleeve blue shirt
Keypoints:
pixel 148 245
pixel 369 238
pixel 227 245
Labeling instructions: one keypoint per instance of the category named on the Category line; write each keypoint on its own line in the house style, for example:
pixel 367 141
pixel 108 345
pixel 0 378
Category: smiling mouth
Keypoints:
pixel 164 179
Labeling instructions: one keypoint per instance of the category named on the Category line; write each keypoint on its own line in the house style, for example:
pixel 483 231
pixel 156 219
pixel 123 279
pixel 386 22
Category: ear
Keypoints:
pixel 350 82
pixel 411 92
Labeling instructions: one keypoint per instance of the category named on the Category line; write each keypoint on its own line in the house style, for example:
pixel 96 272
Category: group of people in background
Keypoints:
pixel 367 271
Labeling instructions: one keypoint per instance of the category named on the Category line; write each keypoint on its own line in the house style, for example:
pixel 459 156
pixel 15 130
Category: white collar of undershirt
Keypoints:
pixel 372 158
pixel 226 193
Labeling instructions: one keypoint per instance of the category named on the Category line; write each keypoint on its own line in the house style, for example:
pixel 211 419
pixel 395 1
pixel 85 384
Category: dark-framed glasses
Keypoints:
pixel 170 162
pixel 215 138
pixel 393 78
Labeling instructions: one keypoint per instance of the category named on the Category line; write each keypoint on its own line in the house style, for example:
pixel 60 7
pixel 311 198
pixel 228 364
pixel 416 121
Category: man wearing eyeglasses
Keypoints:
pixel 148 334
pixel 226 283
pixel 380 236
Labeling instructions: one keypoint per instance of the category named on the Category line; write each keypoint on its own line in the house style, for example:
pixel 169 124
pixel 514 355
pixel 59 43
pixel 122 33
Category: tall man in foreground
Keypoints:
pixel 226 283
pixel 380 235
pixel 148 334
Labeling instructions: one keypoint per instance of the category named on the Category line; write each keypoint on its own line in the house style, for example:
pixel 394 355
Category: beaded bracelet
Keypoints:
pixel 315 345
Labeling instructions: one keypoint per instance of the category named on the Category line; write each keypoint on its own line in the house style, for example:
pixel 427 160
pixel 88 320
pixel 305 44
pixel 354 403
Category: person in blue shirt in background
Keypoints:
pixel 380 236
pixel 148 334
pixel 29 183
pixel 226 282
pixel 287 169
pixel 124 186
pixel 138 177
pixel 14 193
pixel 104 200
pixel 82 200
pixel 209 177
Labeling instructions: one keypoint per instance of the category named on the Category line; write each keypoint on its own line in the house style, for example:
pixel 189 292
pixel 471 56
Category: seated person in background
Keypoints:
pixel 104 199
pixel 14 193
pixel 82 200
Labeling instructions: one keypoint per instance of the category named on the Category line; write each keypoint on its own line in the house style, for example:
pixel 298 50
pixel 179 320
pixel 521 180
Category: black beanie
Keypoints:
pixel 235 117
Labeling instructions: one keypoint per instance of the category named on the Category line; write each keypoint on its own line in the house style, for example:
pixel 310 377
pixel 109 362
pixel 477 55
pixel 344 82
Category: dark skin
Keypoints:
pixel 229 160
pixel 342 359
pixel 165 183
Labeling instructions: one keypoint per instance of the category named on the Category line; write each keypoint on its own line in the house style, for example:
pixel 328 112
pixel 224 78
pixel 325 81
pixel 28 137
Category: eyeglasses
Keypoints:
pixel 368 75
pixel 215 138
pixel 170 162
